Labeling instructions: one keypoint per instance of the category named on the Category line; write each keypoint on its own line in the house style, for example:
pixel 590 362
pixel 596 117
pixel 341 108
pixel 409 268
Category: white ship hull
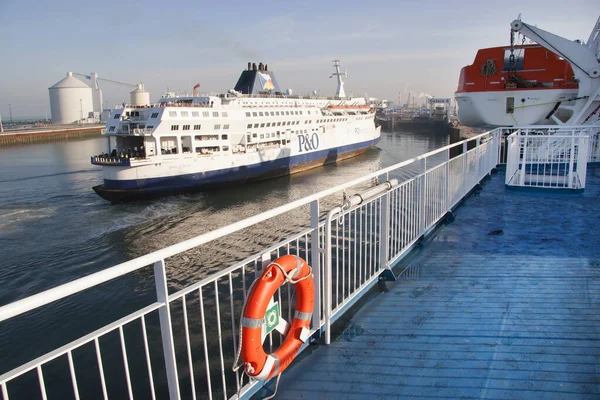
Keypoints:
pixel 531 107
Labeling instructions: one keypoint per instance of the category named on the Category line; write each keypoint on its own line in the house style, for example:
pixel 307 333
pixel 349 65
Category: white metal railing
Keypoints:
pixel 182 345
pixel 555 161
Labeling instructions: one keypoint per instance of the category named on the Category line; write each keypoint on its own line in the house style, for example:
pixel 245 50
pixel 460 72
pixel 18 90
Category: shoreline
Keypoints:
pixel 46 135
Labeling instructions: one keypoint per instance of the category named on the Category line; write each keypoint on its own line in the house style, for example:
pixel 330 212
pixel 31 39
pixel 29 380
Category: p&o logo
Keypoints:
pixel 308 142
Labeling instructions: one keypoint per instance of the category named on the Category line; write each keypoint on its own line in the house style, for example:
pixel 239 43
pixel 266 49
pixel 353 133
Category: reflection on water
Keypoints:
pixel 54 228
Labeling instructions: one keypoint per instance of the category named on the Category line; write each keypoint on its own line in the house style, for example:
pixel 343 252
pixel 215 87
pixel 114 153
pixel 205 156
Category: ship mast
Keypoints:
pixel 339 93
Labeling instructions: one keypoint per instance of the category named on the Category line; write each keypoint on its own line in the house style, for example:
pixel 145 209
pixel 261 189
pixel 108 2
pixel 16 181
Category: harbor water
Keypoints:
pixel 54 229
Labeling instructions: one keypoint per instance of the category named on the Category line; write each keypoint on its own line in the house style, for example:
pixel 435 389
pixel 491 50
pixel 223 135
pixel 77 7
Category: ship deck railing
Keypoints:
pixel 183 343
pixel 557 159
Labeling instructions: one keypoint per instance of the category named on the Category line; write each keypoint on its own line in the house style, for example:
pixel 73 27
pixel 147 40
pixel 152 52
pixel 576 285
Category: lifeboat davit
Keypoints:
pixel 540 84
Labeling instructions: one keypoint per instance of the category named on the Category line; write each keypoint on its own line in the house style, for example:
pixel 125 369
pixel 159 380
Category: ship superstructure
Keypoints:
pixel 251 132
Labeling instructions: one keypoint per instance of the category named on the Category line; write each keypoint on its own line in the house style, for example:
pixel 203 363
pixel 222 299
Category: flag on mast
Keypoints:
pixel 196 89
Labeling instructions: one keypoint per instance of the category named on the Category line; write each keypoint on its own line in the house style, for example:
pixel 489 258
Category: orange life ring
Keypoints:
pixel 257 363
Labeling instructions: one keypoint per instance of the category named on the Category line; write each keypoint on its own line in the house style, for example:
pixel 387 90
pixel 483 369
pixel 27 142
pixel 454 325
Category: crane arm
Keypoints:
pixel 105 80
pixel 580 57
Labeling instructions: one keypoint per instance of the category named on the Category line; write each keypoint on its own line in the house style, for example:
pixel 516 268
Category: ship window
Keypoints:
pixel 248 138
pixel 262 125
pixel 186 127
pixel 172 113
pixel 168 145
pixel 149 127
pixel 207 150
pixel 174 127
pixel 226 126
pixel 205 114
pixel 223 137
pixel 186 144
pixel 260 114
pixel 256 125
pixel 262 135
pixel 185 114
pixel 154 115
pixel 249 126
pixel 254 135
pixel 268 124
pixel 117 116
pixel 215 113
pixel 197 127
pixel 276 112
pixel 224 114
pixel 288 140
pixel 272 113
pixel 247 114
pixel 225 148
pixel 268 135
pixel 279 123
pixel 195 114
pixel 254 114
pixel 112 129
pixel 217 126
pixel 287 113
pixel 206 137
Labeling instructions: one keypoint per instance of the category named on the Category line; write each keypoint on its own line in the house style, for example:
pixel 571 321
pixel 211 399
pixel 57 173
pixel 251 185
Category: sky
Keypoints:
pixel 389 48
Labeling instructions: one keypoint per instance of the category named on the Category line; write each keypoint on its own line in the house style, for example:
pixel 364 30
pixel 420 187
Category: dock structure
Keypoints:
pixel 35 135
pixel 501 303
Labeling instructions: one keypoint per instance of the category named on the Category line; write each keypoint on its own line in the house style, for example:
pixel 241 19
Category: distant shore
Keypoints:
pixel 46 134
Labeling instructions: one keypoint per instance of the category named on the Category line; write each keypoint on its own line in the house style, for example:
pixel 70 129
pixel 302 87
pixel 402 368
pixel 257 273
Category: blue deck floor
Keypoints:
pixel 503 303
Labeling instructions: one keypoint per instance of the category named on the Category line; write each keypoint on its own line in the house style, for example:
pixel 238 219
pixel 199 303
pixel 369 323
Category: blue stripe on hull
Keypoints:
pixel 279 167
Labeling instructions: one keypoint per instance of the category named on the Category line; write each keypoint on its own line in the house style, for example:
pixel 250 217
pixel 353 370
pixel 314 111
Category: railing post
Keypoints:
pixel 478 162
pixel 448 200
pixel 327 272
pixel 166 331
pixel 571 160
pixel 464 185
pixel 384 231
pixel 315 257
pixel 523 139
pixel 422 201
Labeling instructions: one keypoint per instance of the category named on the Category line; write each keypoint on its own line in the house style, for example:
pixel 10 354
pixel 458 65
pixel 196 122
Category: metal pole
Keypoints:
pixel 327 272
pixel 10 112
pixel 168 344
pixel 315 261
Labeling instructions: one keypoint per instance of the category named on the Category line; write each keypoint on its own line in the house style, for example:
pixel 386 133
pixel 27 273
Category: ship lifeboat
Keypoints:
pixel 540 85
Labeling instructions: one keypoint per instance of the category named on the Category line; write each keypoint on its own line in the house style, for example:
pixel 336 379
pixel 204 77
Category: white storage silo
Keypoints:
pixel 70 100
pixel 139 97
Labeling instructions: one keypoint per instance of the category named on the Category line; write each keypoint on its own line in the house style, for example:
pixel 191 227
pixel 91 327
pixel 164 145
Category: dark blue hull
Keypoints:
pixel 118 191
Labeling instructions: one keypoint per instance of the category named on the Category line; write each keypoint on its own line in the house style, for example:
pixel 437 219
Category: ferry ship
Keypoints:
pixel 254 131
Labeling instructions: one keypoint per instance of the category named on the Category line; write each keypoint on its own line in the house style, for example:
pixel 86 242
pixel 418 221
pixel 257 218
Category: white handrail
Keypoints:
pixel 78 285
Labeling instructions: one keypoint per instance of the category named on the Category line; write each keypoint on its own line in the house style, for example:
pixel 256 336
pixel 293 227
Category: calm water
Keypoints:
pixel 54 228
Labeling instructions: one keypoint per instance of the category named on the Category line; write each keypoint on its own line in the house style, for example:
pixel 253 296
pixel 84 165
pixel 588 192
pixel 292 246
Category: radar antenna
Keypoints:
pixel 339 93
